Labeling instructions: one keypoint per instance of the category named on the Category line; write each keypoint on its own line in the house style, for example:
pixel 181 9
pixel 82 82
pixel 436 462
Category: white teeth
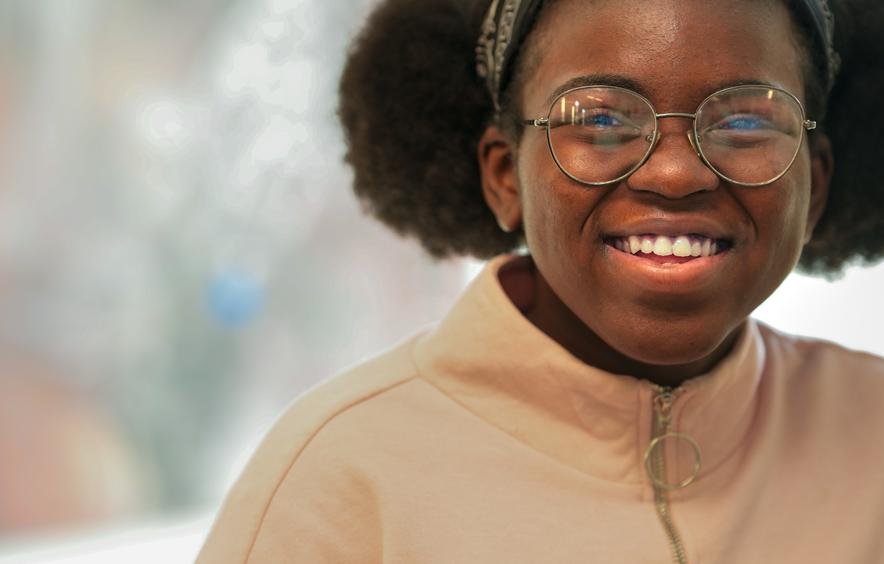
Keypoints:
pixel 706 248
pixel 663 247
pixel 681 247
pixel 635 244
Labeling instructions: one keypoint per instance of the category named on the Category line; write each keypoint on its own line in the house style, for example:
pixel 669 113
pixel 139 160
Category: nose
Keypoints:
pixel 674 170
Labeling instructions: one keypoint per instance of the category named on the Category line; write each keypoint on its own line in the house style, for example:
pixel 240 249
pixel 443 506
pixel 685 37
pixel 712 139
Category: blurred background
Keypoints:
pixel 181 256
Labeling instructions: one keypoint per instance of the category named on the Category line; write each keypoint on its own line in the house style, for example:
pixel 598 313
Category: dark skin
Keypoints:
pixel 622 313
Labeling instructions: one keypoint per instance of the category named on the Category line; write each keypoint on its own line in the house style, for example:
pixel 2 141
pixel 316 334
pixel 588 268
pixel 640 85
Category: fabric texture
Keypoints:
pixel 481 440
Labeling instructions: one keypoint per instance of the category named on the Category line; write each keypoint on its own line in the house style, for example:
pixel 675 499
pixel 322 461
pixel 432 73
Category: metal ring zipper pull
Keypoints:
pixel 660 481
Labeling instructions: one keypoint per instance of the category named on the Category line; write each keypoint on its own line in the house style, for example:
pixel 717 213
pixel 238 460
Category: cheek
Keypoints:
pixel 791 207
pixel 554 208
pixel 779 212
pixel 540 213
pixel 552 217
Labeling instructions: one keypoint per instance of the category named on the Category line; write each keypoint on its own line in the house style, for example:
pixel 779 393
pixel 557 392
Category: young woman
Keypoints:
pixel 604 397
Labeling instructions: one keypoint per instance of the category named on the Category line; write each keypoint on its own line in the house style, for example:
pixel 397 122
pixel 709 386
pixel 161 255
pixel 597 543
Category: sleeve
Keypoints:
pixel 298 500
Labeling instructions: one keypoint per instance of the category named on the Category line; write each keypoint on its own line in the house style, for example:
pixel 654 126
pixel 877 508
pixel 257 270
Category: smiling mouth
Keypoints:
pixel 668 250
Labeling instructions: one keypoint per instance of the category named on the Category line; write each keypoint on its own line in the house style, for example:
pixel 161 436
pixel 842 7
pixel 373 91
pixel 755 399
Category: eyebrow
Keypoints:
pixel 630 84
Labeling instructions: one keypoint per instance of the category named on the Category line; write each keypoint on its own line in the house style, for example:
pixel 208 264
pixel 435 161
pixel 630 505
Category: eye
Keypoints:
pixel 738 123
pixel 602 118
pixel 741 131
pixel 605 120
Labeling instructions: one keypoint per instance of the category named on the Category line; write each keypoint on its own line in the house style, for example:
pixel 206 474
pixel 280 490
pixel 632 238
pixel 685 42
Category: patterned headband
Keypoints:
pixel 508 21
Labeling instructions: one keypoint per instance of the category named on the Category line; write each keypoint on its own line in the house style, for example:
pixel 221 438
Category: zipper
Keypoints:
pixel 655 464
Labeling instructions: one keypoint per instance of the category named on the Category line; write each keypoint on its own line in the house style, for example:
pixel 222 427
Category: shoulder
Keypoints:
pixel 324 422
pixel 357 386
pixel 825 385
pixel 805 357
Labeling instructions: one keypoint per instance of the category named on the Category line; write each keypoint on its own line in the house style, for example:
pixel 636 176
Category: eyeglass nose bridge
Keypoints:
pixel 692 138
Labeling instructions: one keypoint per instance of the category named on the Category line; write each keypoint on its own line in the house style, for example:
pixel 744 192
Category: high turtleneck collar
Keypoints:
pixel 489 358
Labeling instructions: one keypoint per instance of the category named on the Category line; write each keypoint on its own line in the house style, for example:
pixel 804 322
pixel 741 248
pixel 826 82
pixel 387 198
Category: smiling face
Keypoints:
pixel 662 319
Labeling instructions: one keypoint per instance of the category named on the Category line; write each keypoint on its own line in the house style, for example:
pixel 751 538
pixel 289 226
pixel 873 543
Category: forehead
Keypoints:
pixel 675 52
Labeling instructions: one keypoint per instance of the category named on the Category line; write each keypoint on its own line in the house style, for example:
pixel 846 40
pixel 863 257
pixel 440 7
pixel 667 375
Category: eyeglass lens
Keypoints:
pixel 747 135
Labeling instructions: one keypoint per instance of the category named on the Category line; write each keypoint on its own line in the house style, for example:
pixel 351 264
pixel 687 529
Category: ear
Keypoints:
pixel 499 184
pixel 822 166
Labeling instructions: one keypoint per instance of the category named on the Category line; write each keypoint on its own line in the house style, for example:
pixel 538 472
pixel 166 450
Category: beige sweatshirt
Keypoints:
pixel 481 440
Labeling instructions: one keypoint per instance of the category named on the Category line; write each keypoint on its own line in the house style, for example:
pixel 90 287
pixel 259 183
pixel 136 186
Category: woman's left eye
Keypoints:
pixel 743 123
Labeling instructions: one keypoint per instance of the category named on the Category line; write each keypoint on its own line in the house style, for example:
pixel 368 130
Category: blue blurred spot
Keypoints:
pixel 235 297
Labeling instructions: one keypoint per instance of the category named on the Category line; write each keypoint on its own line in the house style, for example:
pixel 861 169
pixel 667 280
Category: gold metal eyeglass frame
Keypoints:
pixel 693 135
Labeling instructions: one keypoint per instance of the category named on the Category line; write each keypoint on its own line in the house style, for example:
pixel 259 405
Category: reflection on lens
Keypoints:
pixel 599 135
pixel 750 135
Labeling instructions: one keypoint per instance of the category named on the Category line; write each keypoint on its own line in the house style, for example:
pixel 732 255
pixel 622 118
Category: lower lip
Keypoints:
pixel 657 276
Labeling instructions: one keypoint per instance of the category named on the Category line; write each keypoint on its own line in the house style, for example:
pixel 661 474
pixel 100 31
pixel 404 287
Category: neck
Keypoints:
pixel 530 292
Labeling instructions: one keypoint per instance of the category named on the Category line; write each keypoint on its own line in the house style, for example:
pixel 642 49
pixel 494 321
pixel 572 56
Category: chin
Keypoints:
pixel 679 343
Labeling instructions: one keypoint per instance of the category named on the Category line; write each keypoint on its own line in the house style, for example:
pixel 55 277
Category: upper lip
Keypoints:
pixel 672 227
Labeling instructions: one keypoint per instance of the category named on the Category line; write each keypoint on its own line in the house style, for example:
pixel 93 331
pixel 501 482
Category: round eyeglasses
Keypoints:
pixel 748 135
